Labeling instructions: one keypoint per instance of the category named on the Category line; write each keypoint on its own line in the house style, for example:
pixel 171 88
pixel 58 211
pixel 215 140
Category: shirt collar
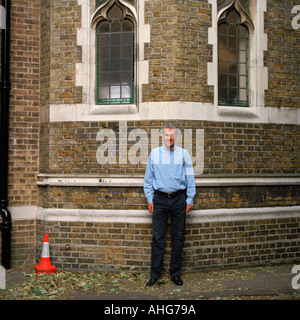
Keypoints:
pixel 167 149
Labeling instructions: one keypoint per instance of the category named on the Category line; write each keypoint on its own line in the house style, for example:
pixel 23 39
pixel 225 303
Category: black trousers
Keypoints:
pixel 164 207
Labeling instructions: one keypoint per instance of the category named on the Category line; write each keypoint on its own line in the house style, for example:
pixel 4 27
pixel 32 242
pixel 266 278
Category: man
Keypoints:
pixel 169 186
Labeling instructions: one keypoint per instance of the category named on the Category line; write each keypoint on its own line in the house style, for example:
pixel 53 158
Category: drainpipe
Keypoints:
pixel 4 126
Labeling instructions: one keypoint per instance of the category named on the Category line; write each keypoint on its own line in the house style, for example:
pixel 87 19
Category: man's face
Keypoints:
pixel 169 138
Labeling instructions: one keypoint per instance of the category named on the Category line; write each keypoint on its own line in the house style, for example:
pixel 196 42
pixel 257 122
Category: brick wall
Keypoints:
pixel 59 52
pixel 282 56
pixel 229 148
pixel 43 72
pixel 24 125
pixel 24 104
pixel 113 246
pixel 178 52
pixel 23 243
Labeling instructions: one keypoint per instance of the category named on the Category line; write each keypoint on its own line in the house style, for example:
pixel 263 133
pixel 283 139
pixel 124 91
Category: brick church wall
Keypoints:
pixel 45 52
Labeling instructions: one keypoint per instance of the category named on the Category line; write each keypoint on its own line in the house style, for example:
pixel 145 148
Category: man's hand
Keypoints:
pixel 151 207
pixel 188 208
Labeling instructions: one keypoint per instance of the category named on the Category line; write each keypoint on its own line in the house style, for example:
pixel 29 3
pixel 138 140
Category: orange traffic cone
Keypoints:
pixel 45 264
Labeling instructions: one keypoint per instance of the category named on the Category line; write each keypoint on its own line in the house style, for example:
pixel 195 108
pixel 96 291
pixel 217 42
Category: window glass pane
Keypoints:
pixel 223 29
pixel 232 43
pixel 232 31
pixel 127 65
pixel 243 82
pixel 104 27
pixel 243 94
pixel 232 55
pixel 127 39
pixel 104 79
pixel 104 92
pixel 233 61
pixel 126 78
pixel 115 65
pixel 116 53
pixel 222 42
pixel 233 93
pixel 115 92
pixel 242 69
pixel 115 40
pixel 243 56
pixel 126 92
pixel 104 53
pixel 233 81
pixel 127 25
pixel 104 40
pixel 243 44
pixel 103 66
pixel 115 26
pixel 243 32
pixel 223 93
pixel 126 52
pixel 233 68
pixel 115 78
pixel 223 80
pixel 223 55
pixel 223 67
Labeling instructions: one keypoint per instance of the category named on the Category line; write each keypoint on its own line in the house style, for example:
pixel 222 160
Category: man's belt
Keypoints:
pixel 170 194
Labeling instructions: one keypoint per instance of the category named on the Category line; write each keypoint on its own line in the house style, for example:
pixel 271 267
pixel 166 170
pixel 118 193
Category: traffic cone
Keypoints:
pixel 45 264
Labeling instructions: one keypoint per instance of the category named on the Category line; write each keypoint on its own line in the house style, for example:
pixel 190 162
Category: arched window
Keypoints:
pixel 115 58
pixel 233 52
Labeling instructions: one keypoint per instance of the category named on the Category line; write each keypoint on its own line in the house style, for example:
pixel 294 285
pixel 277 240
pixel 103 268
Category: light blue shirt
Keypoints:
pixel 169 171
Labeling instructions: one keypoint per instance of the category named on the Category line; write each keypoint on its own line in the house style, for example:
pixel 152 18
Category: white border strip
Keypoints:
pixel 136 181
pixel 23 213
pixel 173 111
pixel 143 216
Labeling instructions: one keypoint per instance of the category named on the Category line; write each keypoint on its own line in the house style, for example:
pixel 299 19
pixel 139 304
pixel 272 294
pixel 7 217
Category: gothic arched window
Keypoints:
pixel 115 58
pixel 233 47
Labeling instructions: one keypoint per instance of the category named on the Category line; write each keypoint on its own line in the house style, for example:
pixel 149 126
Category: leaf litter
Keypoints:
pixel 63 285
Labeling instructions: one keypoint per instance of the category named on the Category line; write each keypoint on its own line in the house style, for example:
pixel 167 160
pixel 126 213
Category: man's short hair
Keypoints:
pixel 169 126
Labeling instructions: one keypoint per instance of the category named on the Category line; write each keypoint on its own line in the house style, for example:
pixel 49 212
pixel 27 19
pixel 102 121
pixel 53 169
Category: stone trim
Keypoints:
pixel 62 180
pixel 143 216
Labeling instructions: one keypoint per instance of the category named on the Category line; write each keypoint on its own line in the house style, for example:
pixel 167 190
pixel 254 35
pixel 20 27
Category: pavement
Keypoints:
pixel 270 282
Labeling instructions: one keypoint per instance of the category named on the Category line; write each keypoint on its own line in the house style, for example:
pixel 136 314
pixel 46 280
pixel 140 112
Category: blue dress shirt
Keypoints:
pixel 169 171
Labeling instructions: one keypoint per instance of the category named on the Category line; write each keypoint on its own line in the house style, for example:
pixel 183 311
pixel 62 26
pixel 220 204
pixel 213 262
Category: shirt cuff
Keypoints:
pixel 190 201
pixel 150 200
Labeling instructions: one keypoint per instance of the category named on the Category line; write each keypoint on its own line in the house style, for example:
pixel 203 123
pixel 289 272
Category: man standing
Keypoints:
pixel 169 186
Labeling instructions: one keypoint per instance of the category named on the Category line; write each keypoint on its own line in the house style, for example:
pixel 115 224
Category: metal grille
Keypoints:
pixel 115 59
pixel 233 40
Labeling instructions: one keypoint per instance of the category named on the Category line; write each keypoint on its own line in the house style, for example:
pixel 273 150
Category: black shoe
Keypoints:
pixel 177 280
pixel 151 282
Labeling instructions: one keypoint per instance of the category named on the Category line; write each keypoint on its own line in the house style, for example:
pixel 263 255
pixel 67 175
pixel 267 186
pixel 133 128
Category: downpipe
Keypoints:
pixel 6 235
pixel 6 224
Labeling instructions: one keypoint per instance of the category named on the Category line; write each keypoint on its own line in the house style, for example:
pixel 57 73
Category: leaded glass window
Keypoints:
pixel 233 38
pixel 115 59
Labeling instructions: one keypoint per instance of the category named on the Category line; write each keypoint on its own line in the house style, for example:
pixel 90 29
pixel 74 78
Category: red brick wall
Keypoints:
pixel 24 125
pixel 24 106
